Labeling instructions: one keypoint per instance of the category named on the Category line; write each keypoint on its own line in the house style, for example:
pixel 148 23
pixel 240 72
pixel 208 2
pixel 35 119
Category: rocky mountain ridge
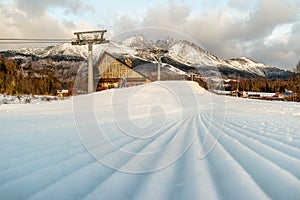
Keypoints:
pixel 182 56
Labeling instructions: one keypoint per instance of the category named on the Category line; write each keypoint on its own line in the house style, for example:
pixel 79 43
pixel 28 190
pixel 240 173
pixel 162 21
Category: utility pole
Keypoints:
pixel 89 38
pixel 159 52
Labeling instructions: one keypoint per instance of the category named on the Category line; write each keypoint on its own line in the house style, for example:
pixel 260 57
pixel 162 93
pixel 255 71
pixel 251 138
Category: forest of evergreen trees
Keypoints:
pixel 265 85
pixel 14 80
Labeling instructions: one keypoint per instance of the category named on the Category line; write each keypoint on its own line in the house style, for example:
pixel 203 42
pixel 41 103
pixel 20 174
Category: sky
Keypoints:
pixel 266 31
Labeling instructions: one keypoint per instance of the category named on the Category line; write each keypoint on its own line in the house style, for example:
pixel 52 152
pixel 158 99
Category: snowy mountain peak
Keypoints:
pixel 65 49
pixel 246 64
pixel 244 59
pixel 182 52
pixel 189 53
pixel 137 41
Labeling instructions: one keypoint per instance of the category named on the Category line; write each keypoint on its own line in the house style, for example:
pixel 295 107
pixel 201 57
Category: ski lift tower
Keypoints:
pixel 158 52
pixel 89 38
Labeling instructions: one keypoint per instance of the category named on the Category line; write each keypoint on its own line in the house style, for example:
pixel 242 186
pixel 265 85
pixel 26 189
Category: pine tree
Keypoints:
pixel 298 67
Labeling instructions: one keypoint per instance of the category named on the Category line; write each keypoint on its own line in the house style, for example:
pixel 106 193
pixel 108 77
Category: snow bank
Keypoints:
pixel 24 99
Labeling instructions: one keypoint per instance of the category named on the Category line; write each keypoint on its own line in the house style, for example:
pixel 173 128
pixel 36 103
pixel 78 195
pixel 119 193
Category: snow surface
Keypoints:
pixel 164 140
pixel 23 99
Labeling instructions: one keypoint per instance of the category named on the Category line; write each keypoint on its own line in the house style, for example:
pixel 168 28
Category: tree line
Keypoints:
pixel 262 84
pixel 297 68
pixel 14 80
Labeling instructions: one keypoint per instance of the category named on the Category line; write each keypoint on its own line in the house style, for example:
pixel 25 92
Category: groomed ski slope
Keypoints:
pixel 164 140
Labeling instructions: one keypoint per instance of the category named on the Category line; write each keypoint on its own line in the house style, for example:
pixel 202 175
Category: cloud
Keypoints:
pixel 30 19
pixel 279 50
pixel 19 24
pixel 238 28
pixel 167 15
pixel 35 8
pixel 268 15
pixel 238 4
pixel 229 32
pixel 125 22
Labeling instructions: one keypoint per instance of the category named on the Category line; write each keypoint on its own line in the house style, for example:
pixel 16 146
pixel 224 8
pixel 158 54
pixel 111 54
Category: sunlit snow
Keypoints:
pixel 164 140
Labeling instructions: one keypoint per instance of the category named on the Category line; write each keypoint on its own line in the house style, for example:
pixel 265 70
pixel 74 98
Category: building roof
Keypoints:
pixel 105 54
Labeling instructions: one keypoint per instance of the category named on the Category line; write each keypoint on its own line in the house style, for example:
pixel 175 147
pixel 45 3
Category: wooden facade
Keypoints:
pixel 115 74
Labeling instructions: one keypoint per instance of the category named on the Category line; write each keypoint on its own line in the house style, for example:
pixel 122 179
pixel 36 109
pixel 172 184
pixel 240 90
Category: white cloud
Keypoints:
pixel 22 21
pixel 229 32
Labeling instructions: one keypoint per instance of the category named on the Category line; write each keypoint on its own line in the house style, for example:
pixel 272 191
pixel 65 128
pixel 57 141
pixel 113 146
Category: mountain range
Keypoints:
pixel 182 57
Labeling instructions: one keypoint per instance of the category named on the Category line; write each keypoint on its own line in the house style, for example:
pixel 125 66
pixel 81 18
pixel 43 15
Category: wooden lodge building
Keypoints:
pixel 114 73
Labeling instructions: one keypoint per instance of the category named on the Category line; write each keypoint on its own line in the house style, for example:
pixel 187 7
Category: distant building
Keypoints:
pixel 114 73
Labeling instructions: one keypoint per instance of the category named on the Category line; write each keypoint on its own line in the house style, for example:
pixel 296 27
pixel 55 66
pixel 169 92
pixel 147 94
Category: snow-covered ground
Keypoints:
pixel 24 99
pixel 164 140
